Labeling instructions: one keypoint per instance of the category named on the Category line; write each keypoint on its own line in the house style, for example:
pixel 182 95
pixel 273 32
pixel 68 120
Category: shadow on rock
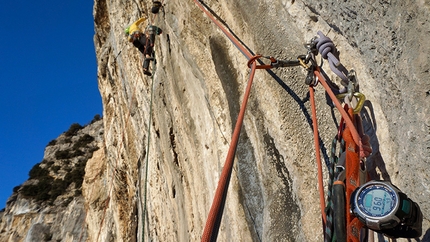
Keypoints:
pixel 375 161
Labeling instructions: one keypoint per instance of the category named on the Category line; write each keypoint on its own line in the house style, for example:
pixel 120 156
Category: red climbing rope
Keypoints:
pixel 356 137
pixel 210 232
pixel 233 39
pixel 256 57
pixel 212 225
pixel 317 153
pixel 355 152
pixel 214 218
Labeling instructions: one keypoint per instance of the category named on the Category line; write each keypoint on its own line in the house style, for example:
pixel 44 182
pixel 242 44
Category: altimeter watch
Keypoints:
pixel 382 207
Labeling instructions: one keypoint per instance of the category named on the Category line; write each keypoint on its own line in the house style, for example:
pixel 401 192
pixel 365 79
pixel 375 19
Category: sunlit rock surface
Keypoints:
pixel 186 114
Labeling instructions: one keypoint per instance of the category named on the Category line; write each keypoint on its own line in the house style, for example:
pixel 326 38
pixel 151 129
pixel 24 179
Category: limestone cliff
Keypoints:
pixel 50 206
pixel 199 80
pixel 178 124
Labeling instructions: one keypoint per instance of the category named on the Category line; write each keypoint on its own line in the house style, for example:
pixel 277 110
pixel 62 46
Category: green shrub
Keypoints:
pixel 67 154
pixel 83 141
pixel 43 192
pixel 29 190
pixel 78 192
pixel 48 163
pixel 77 174
pixel 58 188
pixel 37 172
pixel 63 154
pixel 96 118
pixel 55 168
pixel 16 189
pixel 73 130
pixel 77 153
pixel 52 142
pixel 39 191
pixel 47 189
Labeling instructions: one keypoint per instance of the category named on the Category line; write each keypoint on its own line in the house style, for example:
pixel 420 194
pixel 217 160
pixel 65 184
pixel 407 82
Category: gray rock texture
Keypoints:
pixel 166 137
pixel 199 82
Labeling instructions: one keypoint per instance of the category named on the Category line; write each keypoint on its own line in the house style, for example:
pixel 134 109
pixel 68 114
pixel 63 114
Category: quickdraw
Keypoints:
pixel 339 224
pixel 275 63
pixel 347 172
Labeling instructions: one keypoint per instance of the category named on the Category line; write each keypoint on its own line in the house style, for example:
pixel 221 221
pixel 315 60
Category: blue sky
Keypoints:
pixel 48 80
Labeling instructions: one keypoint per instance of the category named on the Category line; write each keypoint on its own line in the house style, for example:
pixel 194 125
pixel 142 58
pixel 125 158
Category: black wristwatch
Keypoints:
pixel 382 207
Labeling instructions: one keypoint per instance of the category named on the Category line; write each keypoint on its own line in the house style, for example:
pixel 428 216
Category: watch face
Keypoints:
pixel 377 200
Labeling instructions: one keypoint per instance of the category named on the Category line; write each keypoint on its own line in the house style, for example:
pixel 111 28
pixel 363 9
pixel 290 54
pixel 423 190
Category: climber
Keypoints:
pixel 156 5
pixel 143 40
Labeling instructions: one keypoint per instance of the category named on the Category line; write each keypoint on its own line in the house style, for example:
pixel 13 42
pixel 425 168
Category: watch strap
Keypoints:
pixel 411 222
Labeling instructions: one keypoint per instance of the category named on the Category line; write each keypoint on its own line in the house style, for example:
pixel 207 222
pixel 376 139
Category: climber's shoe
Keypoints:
pixel 146 72
pixel 156 5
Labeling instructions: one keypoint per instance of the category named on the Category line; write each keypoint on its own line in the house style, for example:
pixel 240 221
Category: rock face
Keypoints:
pixel 166 138
pixel 49 206
pixel 197 91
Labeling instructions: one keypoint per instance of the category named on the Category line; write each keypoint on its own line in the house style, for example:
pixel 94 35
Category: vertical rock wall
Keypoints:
pixel 197 91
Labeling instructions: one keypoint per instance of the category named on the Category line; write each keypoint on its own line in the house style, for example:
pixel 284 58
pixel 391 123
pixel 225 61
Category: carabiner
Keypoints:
pixel 256 57
pixel 347 97
pixel 303 62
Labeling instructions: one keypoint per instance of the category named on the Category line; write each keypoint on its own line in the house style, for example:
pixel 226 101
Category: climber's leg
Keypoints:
pixel 146 66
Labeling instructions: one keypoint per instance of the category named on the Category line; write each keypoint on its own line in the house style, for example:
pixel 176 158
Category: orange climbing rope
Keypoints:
pixel 214 218
pixel 352 134
pixel 354 153
pixel 211 229
pixel 355 136
pixel 317 153
pixel 210 232
pixel 233 39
